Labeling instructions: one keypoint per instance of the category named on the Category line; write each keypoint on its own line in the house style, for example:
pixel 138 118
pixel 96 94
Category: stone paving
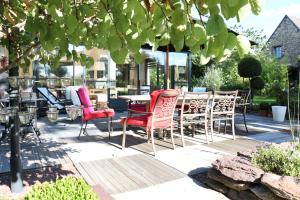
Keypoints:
pixel 192 159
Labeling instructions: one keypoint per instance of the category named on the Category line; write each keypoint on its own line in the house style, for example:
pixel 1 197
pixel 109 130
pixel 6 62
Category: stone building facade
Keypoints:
pixel 285 40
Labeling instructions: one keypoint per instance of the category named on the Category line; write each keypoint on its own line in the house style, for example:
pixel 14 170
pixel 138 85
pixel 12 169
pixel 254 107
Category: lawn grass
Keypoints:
pixel 263 99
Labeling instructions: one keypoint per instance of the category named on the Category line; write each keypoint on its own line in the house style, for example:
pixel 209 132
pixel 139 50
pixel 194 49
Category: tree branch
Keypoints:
pixel 18 60
pixel 200 15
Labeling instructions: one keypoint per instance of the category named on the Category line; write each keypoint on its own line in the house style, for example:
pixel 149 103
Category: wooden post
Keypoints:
pixel 167 68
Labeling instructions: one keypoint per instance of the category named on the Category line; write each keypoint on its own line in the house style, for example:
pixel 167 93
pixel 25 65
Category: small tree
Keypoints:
pixel 249 67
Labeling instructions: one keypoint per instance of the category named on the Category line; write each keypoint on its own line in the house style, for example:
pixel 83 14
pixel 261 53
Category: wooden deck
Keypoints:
pixel 234 146
pixel 136 142
pixel 128 173
pixel 35 156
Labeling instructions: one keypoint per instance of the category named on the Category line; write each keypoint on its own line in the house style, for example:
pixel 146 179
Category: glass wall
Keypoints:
pixel 150 74
pixel 179 70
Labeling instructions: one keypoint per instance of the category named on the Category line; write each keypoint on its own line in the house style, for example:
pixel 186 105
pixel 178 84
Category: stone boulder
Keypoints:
pixel 236 185
pixel 242 195
pixel 264 193
pixel 238 169
pixel 286 187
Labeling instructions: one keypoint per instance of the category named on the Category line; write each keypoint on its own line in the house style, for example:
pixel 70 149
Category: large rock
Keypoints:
pixel 286 187
pixel 236 185
pixel 203 177
pixel 264 193
pixel 238 169
pixel 242 195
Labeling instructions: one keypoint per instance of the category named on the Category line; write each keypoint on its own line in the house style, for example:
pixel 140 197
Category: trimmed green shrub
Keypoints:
pixel 212 79
pixel 249 67
pixel 278 160
pixel 66 188
pixel 257 83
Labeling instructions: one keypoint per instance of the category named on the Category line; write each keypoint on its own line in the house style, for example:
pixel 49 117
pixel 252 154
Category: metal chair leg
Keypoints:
pixel 172 138
pixel 233 129
pixel 153 144
pixel 206 130
pixel 212 129
pixel 124 135
pixel 244 115
pixel 83 130
pixel 182 135
pixel 109 126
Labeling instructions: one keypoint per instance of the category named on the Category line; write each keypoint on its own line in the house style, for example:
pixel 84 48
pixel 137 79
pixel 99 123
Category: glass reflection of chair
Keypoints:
pixel 51 98
pixel 88 112
pixel 194 110
pixel 223 109
pixel 159 116
pixel 242 104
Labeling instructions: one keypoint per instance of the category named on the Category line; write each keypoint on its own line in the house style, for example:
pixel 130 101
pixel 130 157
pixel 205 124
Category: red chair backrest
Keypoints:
pixel 85 100
pixel 164 102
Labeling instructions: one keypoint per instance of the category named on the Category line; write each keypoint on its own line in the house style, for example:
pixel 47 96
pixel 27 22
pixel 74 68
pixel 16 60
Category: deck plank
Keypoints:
pixel 128 173
pixel 234 146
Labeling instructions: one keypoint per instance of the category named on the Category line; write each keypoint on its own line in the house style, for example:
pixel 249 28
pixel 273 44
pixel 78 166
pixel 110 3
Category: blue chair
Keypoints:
pixel 51 98
pixel 199 89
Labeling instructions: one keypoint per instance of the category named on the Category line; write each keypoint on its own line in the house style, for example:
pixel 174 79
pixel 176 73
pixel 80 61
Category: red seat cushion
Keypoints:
pixel 138 107
pixel 140 120
pixel 99 114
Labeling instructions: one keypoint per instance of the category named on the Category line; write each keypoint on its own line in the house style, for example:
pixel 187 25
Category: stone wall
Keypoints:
pixel 239 179
pixel 286 35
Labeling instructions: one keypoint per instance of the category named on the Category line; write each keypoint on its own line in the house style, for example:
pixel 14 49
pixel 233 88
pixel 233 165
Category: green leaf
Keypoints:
pixel 243 45
pixel 215 25
pixel 138 58
pixel 71 23
pixel 114 43
pixel 199 33
pixel 233 3
pixel 203 59
pixel 165 39
pixel 231 41
pixel 119 56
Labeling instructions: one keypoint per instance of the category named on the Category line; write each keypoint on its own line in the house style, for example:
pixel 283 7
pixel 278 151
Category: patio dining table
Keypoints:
pixel 147 98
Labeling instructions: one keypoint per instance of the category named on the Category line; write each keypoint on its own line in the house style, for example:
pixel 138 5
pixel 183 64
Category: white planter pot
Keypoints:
pixel 278 113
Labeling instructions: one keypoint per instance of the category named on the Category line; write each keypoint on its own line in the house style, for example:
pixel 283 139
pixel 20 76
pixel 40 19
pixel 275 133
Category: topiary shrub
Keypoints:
pixel 257 83
pixel 249 67
pixel 278 160
pixel 66 188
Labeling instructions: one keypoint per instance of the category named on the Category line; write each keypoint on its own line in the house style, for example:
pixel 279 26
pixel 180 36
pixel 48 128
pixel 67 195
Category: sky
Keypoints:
pixel 271 15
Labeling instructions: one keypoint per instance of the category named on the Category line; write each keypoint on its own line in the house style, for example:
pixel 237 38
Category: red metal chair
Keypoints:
pixel 160 115
pixel 88 112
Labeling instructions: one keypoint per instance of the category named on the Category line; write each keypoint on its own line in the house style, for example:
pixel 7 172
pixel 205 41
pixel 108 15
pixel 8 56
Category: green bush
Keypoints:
pixel 67 188
pixel 278 160
pixel 212 79
pixel 249 67
pixel 257 83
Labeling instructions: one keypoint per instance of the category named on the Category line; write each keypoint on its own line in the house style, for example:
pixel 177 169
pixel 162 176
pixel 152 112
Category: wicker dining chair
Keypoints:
pixel 242 104
pixel 159 116
pixel 223 109
pixel 194 110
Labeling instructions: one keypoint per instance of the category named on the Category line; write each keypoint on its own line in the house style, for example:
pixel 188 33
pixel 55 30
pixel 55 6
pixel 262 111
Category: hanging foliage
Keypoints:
pixel 40 29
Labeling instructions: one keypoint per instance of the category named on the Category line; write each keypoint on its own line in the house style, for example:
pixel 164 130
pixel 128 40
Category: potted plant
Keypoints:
pixel 279 110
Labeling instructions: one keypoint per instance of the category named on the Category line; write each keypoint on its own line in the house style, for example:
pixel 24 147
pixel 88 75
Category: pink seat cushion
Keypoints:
pixel 83 94
pixel 88 109
pixel 99 114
